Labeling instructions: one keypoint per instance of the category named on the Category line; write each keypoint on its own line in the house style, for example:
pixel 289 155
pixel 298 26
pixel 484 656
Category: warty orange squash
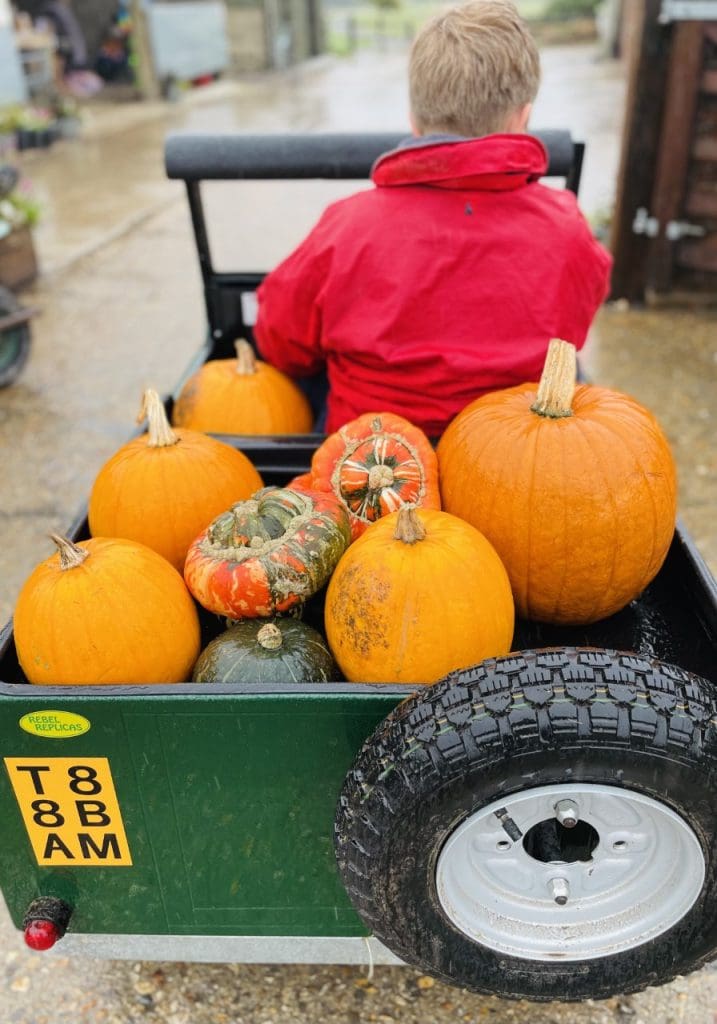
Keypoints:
pixel 267 554
pixel 375 465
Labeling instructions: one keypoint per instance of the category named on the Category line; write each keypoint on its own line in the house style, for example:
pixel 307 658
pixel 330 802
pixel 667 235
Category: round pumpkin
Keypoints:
pixel 254 651
pixel 162 488
pixel 575 487
pixel 418 595
pixel 376 464
pixel 267 554
pixel 242 396
pixel 105 611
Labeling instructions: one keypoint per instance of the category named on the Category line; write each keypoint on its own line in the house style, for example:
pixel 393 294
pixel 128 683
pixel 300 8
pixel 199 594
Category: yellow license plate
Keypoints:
pixel 70 810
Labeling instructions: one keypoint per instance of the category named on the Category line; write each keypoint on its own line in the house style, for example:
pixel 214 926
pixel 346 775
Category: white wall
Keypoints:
pixel 188 39
pixel 12 83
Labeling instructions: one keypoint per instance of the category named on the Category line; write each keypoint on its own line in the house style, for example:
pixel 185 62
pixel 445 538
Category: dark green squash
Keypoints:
pixel 255 651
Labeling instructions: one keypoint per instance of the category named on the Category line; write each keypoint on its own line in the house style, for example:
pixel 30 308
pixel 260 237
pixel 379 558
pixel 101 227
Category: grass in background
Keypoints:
pixel 352 26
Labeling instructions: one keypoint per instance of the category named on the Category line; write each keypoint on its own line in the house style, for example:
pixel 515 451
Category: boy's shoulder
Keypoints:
pixel 503 173
pixel 558 205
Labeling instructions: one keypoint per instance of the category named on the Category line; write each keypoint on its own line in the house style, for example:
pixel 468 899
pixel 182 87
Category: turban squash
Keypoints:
pixel 242 396
pixel 575 487
pixel 418 595
pixel 267 554
pixel 375 465
pixel 105 611
pixel 162 488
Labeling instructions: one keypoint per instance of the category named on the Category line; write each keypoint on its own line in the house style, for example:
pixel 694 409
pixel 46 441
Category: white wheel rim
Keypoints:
pixel 644 874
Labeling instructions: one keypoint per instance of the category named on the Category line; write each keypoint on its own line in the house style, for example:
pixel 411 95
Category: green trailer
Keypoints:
pixel 543 825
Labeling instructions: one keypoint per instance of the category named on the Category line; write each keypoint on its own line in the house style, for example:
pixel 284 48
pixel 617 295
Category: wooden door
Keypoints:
pixel 664 235
pixel 683 252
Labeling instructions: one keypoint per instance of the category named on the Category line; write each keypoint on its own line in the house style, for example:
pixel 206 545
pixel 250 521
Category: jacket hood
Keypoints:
pixel 492 163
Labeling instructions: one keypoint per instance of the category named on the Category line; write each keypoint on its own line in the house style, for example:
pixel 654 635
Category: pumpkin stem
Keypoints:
pixel 380 476
pixel 557 382
pixel 246 360
pixel 409 527
pixel 71 555
pixel 160 433
pixel 269 636
pixel 376 425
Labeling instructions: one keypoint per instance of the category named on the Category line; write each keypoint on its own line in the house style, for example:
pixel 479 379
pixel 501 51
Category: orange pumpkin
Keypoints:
pixel 376 464
pixel 105 611
pixel 418 595
pixel 242 396
pixel 163 488
pixel 575 487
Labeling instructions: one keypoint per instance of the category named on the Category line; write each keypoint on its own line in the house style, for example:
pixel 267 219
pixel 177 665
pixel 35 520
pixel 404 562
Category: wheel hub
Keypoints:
pixel 570 872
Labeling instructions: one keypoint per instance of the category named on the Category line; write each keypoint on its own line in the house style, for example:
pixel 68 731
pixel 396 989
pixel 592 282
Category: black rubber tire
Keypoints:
pixel 556 716
pixel 14 342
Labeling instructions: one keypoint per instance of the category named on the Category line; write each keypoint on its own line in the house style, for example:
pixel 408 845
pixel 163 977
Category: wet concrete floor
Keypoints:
pixel 121 310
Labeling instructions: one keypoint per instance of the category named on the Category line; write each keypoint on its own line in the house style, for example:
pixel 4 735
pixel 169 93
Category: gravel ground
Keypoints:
pixel 119 992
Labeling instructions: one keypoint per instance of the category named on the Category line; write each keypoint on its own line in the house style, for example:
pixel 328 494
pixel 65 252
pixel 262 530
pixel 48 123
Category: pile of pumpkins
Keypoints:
pixel 555 501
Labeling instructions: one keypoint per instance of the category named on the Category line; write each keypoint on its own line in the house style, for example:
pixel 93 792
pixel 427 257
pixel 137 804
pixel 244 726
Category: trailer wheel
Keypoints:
pixel 14 341
pixel 542 826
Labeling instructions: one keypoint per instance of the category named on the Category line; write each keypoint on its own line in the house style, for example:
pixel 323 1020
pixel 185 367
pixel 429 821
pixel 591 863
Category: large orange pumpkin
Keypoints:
pixel 242 396
pixel 374 465
pixel 105 611
pixel 575 487
pixel 419 594
pixel 164 487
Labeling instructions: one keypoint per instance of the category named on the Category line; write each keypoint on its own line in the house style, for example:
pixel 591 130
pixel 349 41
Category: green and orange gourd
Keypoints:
pixel 267 554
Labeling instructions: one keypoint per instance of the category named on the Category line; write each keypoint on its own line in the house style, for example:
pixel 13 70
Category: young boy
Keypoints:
pixel 450 277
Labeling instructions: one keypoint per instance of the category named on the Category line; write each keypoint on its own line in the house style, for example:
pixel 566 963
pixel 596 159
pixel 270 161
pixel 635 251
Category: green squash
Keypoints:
pixel 255 651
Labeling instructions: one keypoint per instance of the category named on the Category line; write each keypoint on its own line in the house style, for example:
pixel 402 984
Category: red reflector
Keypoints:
pixel 41 934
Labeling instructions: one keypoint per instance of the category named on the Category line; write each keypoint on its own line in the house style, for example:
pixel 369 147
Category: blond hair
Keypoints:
pixel 471 67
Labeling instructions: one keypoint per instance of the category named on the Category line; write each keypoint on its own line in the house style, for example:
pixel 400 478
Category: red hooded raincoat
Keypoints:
pixel 446 280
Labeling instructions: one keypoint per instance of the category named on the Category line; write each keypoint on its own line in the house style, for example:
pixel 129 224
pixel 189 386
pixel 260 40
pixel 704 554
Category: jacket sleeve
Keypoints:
pixel 288 329
pixel 584 284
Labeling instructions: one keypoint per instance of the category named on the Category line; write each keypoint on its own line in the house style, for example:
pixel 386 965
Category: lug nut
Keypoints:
pixel 568 813
pixel 559 890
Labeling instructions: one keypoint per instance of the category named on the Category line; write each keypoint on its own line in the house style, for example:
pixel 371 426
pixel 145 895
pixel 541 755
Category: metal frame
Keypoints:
pixel 231 949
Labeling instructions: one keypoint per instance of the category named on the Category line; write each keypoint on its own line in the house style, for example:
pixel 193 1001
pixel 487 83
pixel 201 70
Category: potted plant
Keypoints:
pixel 36 128
pixel 19 212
